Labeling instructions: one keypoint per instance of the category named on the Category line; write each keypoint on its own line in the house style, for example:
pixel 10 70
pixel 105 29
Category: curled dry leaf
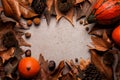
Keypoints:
pixel 11 9
pixel 84 63
pixel 100 44
pixel 84 9
pixel 97 61
pixel 27 12
pixel 44 74
pixel 1 10
pixel 25 2
pixel 78 1
pixel 58 71
pixel 98 30
pixel 6 55
pixel 21 41
pixel 69 15
pixel 48 11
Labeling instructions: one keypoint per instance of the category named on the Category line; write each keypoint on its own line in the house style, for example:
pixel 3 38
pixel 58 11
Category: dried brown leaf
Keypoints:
pixel 105 37
pixel 11 9
pixel 56 74
pixel 84 63
pixel 100 44
pixel 44 73
pixel 84 10
pixel 69 15
pixel 67 76
pixel 48 11
pixel 78 1
pixel 27 12
pixel 25 2
pixel 6 55
pixel 97 61
pixel 1 10
pixel 96 31
pixel 21 41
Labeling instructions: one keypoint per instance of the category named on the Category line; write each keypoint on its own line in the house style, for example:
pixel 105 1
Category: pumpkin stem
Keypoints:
pixel 28 68
pixel 91 18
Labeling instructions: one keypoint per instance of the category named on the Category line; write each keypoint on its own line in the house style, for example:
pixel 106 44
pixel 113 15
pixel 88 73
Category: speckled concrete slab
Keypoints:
pixel 60 40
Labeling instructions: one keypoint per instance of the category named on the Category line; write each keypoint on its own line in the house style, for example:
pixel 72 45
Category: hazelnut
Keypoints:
pixel 29 22
pixel 81 21
pixel 27 35
pixel 28 53
pixel 36 21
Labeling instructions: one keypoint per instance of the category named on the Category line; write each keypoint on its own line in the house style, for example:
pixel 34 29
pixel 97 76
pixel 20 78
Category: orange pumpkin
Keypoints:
pixel 105 12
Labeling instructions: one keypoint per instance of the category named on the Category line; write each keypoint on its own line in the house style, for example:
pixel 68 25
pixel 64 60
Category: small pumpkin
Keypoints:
pixel 105 12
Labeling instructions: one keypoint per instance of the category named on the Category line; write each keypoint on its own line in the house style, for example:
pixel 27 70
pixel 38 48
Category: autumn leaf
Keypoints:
pixel 97 61
pixel 11 9
pixel 69 15
pixel 27 12
pixel 6 55
pixel 20 39
pixel 48 11
pixel 78 1
pixel 56 74
pixel 100 44
pixel 1 10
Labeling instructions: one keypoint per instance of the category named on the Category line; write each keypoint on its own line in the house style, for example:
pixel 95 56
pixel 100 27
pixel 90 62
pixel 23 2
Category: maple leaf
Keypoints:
pixel 69 15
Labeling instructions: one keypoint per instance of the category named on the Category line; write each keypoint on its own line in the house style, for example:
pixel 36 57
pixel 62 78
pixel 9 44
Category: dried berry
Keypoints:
pixel 27 35
pixel 39 6
pixel 28 53
pixel 92 73
pixel 36 21
pixel 29 22
pixel 9 40
pixel 65 5
pixel 51 65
